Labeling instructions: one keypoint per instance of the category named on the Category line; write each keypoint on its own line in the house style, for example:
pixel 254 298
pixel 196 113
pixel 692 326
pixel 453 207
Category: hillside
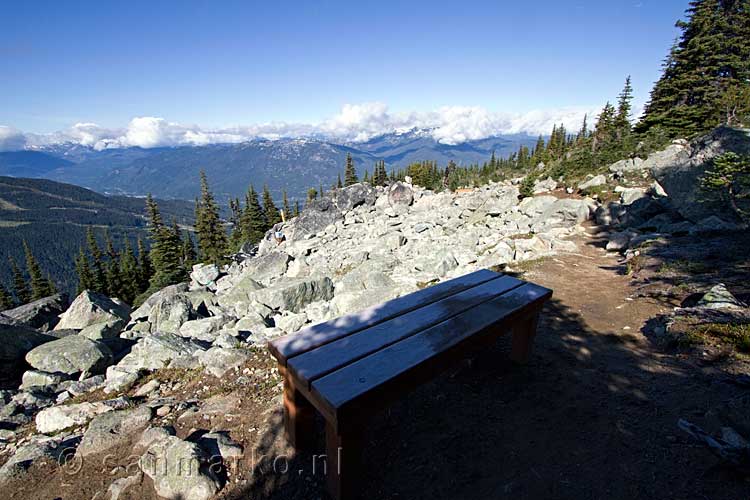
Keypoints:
pixel 52 217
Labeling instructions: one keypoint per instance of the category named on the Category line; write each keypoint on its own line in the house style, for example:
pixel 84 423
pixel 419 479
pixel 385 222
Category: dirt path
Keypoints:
pixel 592 416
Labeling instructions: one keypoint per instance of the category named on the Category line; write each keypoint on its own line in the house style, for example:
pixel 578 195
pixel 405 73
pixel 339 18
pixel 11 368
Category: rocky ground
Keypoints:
pixel 110 399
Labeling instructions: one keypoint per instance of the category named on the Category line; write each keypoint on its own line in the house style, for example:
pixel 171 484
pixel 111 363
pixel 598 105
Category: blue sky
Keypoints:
pixel 221 64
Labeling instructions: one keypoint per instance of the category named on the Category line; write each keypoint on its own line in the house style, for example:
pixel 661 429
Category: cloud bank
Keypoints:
pixel 354 123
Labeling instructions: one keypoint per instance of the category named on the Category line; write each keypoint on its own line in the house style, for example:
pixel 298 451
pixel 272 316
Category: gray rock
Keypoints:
pixel 15 342
pixel 42 314
pixel 36 378
pixel 179 470
pixel 144 310
pixel 353 196
pixel 170 312
pixel 630 195
pixel 536 205
pixel 268 266
pixel 90 308
pixel 157 351
pixel 219 444
pixel 544 186
pixel 119 486
pixel 679 167
pixel 147 388
pixel 317 215
pixel 570 210
pixel 290 322
pixel 719 297
pixel 103 330
pixel 219 360
pixel 205 274
pixel 37 449
pixel 111 429
pixel 205 329
pixel 439 264
pixel 238 298
pixel 626 166
pixel 596 181
pixel 346 303
pixel 78 387
pixel 294 294
pixel 619 240
pixel 70 355
pixel 400 197
pixel 57 418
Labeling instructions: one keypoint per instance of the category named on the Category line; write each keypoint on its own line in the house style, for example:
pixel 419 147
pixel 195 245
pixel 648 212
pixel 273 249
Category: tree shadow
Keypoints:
pixel 593 415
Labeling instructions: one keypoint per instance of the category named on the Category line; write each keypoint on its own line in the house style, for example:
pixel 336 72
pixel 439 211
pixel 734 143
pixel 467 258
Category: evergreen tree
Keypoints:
pixel 624 107
pixel 380 176
pixel 350 174
pixel 365 179
pixel 707 66
pixel 212 238
pixel 6 300
pixel 166 250
pixel 39 284
pixel 729 175
pixel 269 207
pixel 145 269
pixel 112 272
pixel 285 206
pixel 312 194
pixel 296 208
pixel 83 270
pixel 338 183
pixel 99 277
pixel 20 287
pixel 253 221
pixel 130 286
pixel 189 257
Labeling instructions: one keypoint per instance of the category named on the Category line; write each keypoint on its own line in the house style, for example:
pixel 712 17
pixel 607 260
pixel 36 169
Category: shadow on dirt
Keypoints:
pixel 592 415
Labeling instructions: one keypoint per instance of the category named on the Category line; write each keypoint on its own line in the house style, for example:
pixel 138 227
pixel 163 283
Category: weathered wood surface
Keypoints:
pixel 317 335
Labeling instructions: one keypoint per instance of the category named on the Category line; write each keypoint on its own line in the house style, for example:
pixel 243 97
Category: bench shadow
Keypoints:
pixel 590 416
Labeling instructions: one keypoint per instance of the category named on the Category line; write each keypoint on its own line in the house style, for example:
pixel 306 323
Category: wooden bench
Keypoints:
pixel 351 367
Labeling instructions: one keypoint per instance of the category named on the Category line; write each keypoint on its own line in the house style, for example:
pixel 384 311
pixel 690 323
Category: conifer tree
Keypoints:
pixel 6 300
pixel 296 208
pixel 39 284
pixel 312 194
pixel 98 275
pixel 166 249
pixel 20 287
pixel 338 183
pixel 145 269
pixel 366 178
pixel 112 272
pixel 130 285
pixel 253 221
pixel 269 207
pixel 350 173
pixel 83 270
pixel 624 106
pixel 285 206
pixel 189 257
pixel 212 238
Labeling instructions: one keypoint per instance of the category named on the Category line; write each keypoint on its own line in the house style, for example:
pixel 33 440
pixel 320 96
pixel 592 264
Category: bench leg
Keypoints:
pixel 299 415
pixel 344 462
pixel 523 337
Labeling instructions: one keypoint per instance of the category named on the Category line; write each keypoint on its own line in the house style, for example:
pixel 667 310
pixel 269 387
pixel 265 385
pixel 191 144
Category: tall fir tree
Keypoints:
pixel 350 173
pixel 707 66
pixel 20 287
pixel 285 205
pixel 253 220
pixel 130 285
pixel 189 256
pixel 212 238
pixel 145 269
pixel 624 107
pixel 39 285
pixel 296 208
pixel 269 207
pixel 112 271
pixel 83 270
pixel 166 250
pixel 6 300
pixel 99 276
pixel 339 185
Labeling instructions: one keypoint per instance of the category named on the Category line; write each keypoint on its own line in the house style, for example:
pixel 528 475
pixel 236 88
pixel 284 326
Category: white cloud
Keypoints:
pixel 355 123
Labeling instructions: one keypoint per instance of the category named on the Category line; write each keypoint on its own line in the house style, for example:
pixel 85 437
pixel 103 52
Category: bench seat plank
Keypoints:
pixel 315 336
pixel 317 363
pixel 377 377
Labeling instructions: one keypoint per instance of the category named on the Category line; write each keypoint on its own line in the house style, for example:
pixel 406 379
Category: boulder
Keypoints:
pixel 111 429
pixel 293 294
pixel 15 342
pixel 267 267
pixel 596 181
pixel 205 274
pixel 70 355
pixel 205 329
pixel 179 470
pixel 219 360
pixel 544 186
pixel 36 378
pixel 353 196
pixel 157 351
pixel 619 240
pixel 346 303
pixel 569 210
pixel 237 299
pixel 219 444
pixel 90 308
pixel 103 330
pixel 39 447
pixel 679 168
pixel 535 205
pixel 170 312
pixel 630 195
pixel 57 418
pixel 317 215
pixel 400 197
pixel 628 165
pixel 169 291
pixel 719 297
pixel 290 322
pixel 42 314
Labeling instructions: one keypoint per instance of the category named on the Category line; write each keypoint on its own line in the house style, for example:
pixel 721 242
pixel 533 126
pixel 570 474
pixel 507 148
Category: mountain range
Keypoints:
pixel 291 164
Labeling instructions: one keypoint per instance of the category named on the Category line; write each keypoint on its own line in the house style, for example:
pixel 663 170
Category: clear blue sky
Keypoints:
pixel 224 63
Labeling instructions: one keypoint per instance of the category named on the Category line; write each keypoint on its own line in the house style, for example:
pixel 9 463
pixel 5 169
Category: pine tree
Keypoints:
pixel 710 62
pixel 99 277
pixel 189 257
pixel 296 208
pixel 83 270
pixel 39 285
pixel 285 206
pixel 312 194
pixel 112 272
pixel 212 238
pixel 729 175
pixel 130 287
pixel 253 221
pixel 166 250
pixel 350 174
pixel 624 107
pixel 6 300
pixel 605 127
pixel 145 269
pixel 269 207
pixel 338 183
pixel 20 287
pixel 366 178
